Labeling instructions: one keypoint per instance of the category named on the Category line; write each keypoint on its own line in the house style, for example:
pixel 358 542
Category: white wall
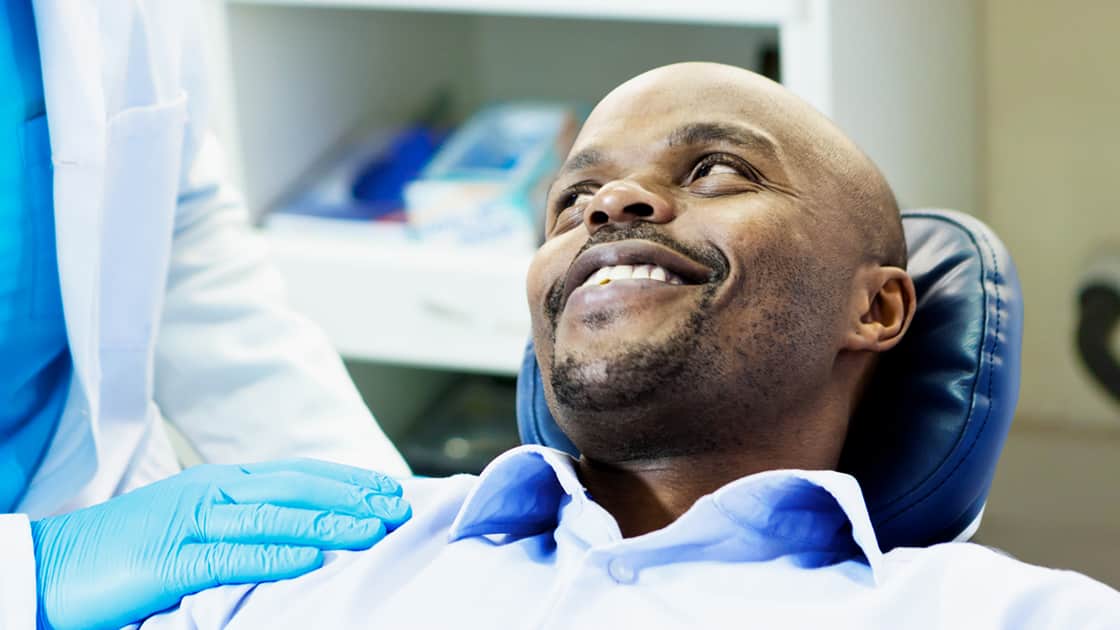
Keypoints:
pixel 1051 189
pixel 1054 501
pixel 901 61
pixel 1052 162
pixel 582 60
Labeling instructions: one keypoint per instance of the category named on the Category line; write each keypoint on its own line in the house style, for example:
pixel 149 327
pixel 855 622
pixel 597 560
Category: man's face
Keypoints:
pixel 689 282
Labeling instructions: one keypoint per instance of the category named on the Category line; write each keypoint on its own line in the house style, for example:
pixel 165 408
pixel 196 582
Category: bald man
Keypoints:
pixel 721 270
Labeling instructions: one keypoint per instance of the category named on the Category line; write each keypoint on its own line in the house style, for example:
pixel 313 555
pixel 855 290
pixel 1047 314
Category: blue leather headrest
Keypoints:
pixel 925 442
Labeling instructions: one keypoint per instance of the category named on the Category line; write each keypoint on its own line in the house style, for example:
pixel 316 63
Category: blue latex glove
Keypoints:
pixel 141 552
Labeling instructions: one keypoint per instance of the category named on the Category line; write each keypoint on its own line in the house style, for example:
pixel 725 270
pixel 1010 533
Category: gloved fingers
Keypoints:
pixel 201 566
pixel 382 484
pixel 310 492
pixel 268 524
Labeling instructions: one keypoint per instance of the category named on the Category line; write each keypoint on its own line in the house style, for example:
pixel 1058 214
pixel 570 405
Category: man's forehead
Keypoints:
pixel 662 113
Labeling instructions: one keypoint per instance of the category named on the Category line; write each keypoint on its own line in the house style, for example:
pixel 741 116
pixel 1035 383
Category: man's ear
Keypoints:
pixel 882 307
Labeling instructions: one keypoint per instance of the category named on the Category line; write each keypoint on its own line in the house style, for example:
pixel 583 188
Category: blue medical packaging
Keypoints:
pixel 488 182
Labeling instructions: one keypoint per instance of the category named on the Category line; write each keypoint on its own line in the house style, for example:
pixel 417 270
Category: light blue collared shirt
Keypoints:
pixel 524 546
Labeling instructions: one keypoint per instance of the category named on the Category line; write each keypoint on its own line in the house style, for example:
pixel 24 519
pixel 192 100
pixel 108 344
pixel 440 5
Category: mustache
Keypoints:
pixel 706 254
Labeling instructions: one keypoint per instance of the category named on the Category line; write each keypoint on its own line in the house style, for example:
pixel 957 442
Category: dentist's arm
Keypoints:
pixel 237 371
pixel 139 553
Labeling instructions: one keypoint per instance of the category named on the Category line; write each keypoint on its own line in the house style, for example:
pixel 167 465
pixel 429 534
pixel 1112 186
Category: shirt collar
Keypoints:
pixel 518 493
pixel 522 491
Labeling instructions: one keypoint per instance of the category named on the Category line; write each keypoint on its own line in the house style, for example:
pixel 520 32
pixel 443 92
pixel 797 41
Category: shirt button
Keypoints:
pixel 622 572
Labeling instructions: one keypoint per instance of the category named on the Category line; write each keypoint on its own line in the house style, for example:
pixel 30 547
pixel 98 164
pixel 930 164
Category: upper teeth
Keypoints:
pixel 609 274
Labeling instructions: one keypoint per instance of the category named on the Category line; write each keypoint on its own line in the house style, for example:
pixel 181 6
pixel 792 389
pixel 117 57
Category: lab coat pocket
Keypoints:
pixel 144 154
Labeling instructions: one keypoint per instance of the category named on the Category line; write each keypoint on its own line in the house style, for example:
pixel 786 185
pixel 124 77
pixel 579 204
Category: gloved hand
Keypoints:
pixel 139 553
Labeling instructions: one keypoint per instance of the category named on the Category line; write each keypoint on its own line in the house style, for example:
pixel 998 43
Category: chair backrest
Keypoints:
pixel 925 442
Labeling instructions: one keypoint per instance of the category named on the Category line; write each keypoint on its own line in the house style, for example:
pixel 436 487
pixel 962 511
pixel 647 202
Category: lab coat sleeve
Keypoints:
pixel 241 375
pixel 17 574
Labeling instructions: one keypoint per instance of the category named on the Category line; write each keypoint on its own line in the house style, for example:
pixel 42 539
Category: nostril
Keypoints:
pixel 642 210
pixel 598 217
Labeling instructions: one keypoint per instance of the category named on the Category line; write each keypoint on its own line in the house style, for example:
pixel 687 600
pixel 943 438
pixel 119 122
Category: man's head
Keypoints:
pixel 776 261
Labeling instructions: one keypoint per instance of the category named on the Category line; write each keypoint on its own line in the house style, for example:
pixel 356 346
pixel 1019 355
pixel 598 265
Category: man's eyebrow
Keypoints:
pixel 584 159
pixel 756 141
pixel 687 135
pixel 708 133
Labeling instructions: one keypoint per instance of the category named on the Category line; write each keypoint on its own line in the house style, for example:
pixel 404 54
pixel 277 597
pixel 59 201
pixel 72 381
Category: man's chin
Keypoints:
pixel 590 386
pixel 616 374
pixel 627 404
pixel 608 359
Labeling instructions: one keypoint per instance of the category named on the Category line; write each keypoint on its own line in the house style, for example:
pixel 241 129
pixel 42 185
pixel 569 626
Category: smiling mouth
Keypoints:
pixel 637 261
pixel 621 273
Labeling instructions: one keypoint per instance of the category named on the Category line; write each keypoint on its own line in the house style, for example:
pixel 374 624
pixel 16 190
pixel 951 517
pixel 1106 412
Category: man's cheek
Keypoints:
pixel 534 285
pixel 541 280
pixel 545 269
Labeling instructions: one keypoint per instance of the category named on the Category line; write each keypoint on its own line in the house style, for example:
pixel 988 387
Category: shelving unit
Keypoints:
pixel 302 74
pixel 744 12
pixel 408 304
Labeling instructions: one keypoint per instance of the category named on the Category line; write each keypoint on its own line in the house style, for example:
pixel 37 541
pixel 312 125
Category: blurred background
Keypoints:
pixel 352 125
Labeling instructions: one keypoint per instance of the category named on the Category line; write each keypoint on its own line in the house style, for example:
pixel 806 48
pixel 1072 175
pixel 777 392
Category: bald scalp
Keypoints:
pixel 857 196
pixel 851 193
pixel 865 201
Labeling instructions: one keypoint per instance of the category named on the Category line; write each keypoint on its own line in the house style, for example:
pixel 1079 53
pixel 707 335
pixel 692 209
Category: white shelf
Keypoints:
pixel 407 303
pixel 724 12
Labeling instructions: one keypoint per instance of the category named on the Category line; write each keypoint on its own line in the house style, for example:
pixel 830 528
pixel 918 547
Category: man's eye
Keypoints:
pixel 568 206
pixel 719 164
pixel 570 200
pixel 714 168
pixel 572 197
pixel 723 174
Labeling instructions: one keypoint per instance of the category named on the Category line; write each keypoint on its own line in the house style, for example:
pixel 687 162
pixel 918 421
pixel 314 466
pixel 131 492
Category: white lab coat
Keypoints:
pixel 170 308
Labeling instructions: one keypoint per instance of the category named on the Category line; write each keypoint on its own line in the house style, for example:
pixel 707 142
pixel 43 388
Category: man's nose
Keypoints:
pixel 622 202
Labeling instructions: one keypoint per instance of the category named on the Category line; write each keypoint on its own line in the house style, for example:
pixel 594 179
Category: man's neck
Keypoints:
pixel 648 495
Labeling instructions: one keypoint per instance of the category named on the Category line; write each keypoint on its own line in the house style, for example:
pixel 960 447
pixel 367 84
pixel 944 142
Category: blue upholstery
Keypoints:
pixel 925 443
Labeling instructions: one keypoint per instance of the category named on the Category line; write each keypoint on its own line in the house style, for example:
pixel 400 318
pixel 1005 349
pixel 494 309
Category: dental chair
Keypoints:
pixel 925 442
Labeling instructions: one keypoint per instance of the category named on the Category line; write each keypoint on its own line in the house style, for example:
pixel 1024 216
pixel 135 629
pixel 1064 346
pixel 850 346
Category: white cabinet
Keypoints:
pixel 296 76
